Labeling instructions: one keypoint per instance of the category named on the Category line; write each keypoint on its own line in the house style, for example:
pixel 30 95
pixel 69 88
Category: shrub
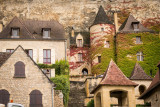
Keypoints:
pixel 91 103
pixel 62 83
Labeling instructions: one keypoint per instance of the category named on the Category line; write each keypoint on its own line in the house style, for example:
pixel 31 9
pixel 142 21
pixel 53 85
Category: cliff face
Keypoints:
pixel 77 13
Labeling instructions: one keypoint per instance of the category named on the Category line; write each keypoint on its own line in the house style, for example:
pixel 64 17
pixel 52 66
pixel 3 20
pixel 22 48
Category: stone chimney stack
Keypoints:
pixel 116 21
pixel 72 32
pixel 1 26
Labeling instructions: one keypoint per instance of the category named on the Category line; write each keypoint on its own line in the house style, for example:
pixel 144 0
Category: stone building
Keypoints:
pixel 114 84
pixel 44 41
pixel 78 53
pixel 83 53
pixel 152 95
pixel 21 81
pixel 138 76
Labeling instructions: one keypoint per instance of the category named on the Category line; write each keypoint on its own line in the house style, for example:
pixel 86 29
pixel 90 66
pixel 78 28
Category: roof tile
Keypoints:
pixel 139 74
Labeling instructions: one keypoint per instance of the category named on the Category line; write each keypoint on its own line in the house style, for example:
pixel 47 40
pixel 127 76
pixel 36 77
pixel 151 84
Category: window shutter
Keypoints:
pixel 40 56
pixel 19 69
pixel 35 55
pixel 4 97
pixel 52 56
pixel 36 99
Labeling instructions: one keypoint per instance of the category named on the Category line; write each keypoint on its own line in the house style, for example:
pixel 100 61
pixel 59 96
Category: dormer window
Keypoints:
pixel 79 40
pixel 15 32
pixel 135 26
pixel 79 43
pixel 46 32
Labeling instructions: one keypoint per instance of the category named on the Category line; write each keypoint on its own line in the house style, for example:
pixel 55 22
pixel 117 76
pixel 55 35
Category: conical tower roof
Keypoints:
pixel 114 77
pixel 139 74
pixel 154 84
pixel 101 17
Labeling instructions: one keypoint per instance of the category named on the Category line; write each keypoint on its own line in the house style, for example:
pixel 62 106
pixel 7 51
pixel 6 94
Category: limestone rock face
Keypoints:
pixel 79 14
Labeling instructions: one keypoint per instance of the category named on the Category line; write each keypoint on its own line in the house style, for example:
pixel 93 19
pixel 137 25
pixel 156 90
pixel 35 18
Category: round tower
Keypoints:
pixel 101 28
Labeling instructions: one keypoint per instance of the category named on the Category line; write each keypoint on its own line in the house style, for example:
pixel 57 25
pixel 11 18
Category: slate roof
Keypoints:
pixel 101 17
pixel 3 57
pixel 115 77
pixel 127 27
pixel 155 83
pixel 139 74
pixel 32 29
pixel 85 35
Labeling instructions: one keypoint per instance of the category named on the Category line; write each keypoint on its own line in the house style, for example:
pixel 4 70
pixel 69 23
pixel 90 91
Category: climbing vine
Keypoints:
pixel 127 50
pixel 105 53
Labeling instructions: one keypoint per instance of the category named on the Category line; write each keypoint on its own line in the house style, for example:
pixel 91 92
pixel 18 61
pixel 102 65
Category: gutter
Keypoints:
pixel 53 96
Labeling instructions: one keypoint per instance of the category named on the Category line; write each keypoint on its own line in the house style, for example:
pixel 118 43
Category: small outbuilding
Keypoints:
pixel 114 84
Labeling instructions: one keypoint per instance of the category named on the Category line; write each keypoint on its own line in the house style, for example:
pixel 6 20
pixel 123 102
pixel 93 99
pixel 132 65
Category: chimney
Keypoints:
pixel 116 21
pixel 72 32
pixel 1 26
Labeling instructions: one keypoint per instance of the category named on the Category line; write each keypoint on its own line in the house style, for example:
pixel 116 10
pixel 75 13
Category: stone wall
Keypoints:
pixel 77 94
pixel 58 98
pixel 20 88
pixel 153 97
pixel 57 48
pixel 77 13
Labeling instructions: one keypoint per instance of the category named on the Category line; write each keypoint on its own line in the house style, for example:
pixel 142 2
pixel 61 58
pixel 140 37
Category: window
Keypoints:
pixel 4 97
pixel 139 56
pixel 138 40
pixel 141 89
pixel 36 99
pixel 79 43
pixel 135 26
pixel 106 45
pixel 15 32
pixel 29 52
pixel 47 71
pixel 47 56
pixel 9 50
pixel 19 69
pixel 85 71
pixel 102 29
pixel 99 59
pixel 46 33
pixel 80 57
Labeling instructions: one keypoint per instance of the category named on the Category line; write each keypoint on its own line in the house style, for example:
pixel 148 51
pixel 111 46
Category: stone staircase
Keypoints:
pixel 77 94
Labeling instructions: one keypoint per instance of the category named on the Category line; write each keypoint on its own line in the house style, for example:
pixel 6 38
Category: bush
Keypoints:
pixel 62 83
pixel 61 67
pixel 91 103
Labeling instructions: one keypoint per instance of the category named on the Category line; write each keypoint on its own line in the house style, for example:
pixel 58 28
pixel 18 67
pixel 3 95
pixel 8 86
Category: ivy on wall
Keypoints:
pixel 127 50
pixel 106 54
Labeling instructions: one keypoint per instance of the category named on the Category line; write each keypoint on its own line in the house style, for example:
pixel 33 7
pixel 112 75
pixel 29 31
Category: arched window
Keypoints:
pixel 85 71
pixel 142 88
pixel 4 97
pixel 36 99
pixel 19 69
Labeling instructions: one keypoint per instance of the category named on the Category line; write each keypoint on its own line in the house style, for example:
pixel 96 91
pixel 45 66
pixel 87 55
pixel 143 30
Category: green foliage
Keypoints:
pixel 144 105
pixel 91 103
pixel 106 55
pixel 127 50
pixel 61 67
pixel 62 83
